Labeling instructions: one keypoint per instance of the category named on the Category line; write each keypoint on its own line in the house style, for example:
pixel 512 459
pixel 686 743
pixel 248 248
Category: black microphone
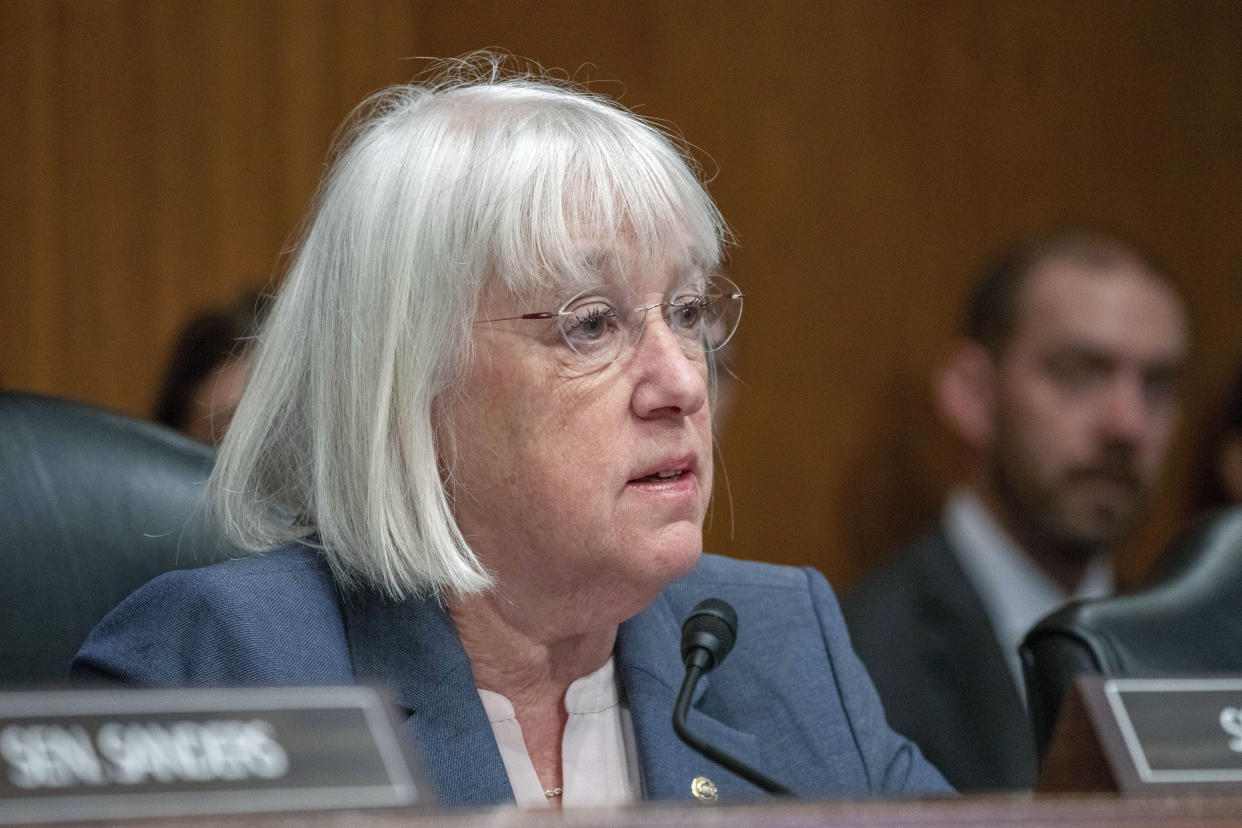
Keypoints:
pixel 706 638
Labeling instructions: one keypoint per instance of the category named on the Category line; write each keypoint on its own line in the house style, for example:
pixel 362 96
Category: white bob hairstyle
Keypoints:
pixel 436 190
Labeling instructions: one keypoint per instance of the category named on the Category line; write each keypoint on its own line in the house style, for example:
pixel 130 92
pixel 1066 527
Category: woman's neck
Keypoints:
pixel 532 666
pixel 518 659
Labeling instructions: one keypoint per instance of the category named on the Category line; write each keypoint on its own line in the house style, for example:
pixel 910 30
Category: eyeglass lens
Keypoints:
pixel 599 324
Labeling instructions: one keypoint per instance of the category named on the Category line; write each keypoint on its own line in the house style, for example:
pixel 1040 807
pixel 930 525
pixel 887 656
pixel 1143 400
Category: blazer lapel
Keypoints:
pixel 959 633
pixel 413 649
pixel 651 671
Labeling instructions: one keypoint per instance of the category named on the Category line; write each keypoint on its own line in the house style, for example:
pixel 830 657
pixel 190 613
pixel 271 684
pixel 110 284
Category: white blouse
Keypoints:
pixel 599 763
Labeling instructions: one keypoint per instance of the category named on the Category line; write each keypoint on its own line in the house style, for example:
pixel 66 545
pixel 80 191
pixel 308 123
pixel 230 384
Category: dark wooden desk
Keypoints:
pixel 1015 810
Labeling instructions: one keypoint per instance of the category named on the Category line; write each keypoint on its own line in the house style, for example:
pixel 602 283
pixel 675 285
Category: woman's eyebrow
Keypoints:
pixel 695 272
pixel 591 266
pixel 587 268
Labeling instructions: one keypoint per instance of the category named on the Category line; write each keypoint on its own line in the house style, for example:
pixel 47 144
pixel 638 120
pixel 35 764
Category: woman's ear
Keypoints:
pixel 965 393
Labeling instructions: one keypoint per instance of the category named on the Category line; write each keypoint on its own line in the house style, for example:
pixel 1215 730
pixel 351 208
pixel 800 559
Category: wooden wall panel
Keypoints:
pixel 161 157
pixel 157 155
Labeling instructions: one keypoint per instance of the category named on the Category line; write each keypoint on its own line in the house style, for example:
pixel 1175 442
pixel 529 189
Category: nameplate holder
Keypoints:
pixel 126 754
pixel 1148 735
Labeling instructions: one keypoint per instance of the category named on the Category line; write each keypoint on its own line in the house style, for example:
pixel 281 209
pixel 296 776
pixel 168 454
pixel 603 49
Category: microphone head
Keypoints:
pixel 709 631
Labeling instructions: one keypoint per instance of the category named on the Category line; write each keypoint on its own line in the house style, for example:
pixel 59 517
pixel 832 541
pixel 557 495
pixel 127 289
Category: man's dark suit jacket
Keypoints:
pixel 791 700
pixel 926 640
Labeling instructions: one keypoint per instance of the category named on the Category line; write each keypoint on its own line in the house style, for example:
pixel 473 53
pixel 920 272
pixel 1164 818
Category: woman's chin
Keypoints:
pixel 672 559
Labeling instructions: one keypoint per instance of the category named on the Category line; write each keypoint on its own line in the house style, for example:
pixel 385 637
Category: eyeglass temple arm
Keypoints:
pixel 539 315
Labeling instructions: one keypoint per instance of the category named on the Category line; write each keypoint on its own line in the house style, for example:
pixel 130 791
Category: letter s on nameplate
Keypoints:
pixel 1231 723
pixel 100 754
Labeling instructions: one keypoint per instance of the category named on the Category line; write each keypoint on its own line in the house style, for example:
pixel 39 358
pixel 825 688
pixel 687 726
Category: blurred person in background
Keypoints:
pixel 206 374
pixel 1064 387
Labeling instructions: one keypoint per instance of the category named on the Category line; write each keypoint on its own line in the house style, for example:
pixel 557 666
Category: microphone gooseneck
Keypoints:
pixel 707 636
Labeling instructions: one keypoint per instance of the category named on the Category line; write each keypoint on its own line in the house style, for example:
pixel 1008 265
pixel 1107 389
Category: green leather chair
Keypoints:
pixel 93 504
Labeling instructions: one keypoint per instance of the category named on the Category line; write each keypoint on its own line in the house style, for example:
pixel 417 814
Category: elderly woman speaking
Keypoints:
pixel 476 445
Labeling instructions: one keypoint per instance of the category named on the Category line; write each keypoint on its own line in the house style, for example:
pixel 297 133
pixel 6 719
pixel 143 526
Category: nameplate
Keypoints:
pixel 106 754
pixel 1151 736
pixel 1180 730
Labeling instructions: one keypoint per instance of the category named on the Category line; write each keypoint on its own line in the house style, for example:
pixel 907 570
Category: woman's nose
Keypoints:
pixel 670 381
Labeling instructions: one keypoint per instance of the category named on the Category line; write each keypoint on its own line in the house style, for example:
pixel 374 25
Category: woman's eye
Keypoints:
pixel 589 324
pixel 687 314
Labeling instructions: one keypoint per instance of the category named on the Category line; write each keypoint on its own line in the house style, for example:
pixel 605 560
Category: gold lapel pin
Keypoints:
pixel 704 789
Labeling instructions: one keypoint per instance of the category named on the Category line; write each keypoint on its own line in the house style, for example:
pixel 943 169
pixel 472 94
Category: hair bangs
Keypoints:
pixel 580 174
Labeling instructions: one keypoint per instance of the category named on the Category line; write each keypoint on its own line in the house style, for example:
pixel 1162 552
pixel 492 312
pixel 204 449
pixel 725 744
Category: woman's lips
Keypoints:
pixel 661 476
pixel 666 469
pixel 684 483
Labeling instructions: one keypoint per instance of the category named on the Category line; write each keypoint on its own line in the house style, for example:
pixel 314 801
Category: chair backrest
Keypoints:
pixel 92 505
pixel 1188 622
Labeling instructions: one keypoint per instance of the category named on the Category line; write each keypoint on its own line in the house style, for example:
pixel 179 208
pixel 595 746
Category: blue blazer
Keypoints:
pixel 791 700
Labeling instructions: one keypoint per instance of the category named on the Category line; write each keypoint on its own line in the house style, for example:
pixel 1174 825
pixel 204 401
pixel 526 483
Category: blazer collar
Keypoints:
pixel 413 649
pixel 649 663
